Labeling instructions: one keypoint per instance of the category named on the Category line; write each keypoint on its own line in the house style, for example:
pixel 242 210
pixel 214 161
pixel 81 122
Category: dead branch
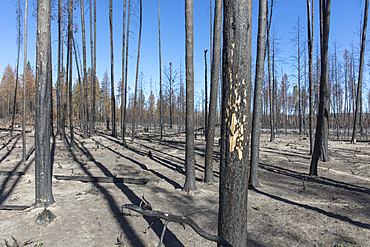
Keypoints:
pixel 179 219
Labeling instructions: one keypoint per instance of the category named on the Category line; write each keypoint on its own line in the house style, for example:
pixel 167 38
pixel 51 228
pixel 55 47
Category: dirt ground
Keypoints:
pixel 290 209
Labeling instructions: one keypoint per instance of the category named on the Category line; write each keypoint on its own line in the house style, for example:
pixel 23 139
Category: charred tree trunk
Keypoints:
pixel 43 165
pixel 310 65
pixel 257 102
pixel 84 102
pixel 205 93
pixel 123 96
pixel 189 152
pixel 24 85
pixel 235 124
pixel 70 38
pixel 126 66
pixel 321 137
pixel 359 84
pixel 208 176
pixel 113 101
pixel 137 76
pixel 160 76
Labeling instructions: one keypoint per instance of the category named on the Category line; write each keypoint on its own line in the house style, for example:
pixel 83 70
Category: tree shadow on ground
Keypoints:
pixel 134 199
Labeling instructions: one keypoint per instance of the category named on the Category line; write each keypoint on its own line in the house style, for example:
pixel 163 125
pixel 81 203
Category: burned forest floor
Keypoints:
pixel 289 209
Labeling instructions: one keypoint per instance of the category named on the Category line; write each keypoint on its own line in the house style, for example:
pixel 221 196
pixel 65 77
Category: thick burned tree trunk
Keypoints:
pixel 359 84
pixel 208 176
pixel 189 151
pixel 321 137
pixel 137 76
pixel 235 124
pixel 257 102
pixel 60 65
pixel 43 166
pixel 310 65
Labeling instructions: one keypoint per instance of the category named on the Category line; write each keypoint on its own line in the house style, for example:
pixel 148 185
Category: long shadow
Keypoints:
pixel 157 228
pixel 321 180
pixel 321 211
pixel 10 150
pixel 290 154
pixel 170 144
pixel 3 197
pixel 8 141
pixel 142 166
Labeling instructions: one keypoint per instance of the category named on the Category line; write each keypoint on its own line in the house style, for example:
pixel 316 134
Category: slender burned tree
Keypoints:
pixel 320 150
pixel 43 166
pixel 189 152
pixel 84 100
pixel 160 76
pixel 208 176
pixel 70 38
pixel 126 66
pixel 19 39
pixel 257 102
pixel 235 124
pixel 113 102
pixel 359 84
pixel 137 75
pixel 310 30
pixel 123 96
pixel 24 85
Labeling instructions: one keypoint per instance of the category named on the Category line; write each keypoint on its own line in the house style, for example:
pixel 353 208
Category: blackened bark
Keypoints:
pixel 123 96
pixel 272 132
pixel 84 101
pixel 126 66
pixel 137 76
pixel 359 84
pixel 208 176
pixel 321 137
pixel 310 30
pixel 43 165
pixel 235 124
pixel 24 85
pixel 93 116
pixel 189 150
pixel 160 76
pixel 91 67
pixel 70 38
pixel 17 71
pixel 257 102
pixel 205 94
pixel 113 101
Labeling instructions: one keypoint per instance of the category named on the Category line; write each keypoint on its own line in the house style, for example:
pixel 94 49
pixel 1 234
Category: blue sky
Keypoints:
pixel 345 21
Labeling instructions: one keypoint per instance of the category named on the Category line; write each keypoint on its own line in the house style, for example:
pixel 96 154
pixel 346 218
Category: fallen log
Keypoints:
pixel 11 173
pixel 103 179
pixel 13 207
pixel 179 219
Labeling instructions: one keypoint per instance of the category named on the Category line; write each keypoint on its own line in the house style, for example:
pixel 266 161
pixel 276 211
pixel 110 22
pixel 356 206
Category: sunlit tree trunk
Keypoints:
pixel 216 53
pixel 257 102
pixel 189 150
pixel 235 124
pixel 43 166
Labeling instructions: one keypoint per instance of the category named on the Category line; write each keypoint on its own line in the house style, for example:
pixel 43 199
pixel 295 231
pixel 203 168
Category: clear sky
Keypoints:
pixel 345 23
